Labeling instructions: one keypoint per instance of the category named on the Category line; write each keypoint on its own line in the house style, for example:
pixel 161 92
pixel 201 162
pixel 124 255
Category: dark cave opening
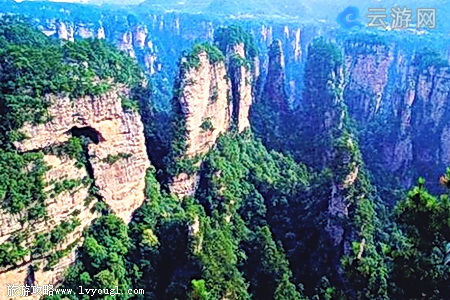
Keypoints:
pixel 86 132
pixel 90 135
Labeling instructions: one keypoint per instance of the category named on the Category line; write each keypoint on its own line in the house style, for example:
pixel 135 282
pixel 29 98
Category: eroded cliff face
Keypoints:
pixel 275 86
pixel 368 69
pixel 206 107
pixel 125 43
pixel 116 164
pixel 65 30
pixel 392 86
pixel 340 158
pixel 430 121
pixel 241 82
pixel 204 100
pixel 62 208
pixel 330 143
pixel 140 36
pixel 121 184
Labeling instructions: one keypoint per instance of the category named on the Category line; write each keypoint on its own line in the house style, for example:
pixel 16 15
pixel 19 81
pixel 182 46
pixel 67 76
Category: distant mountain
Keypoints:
pixel 233 7
pixel 193 6
pixel 229 7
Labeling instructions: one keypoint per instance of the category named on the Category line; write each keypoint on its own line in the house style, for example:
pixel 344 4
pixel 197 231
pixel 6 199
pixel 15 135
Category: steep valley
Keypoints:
pixel 189 154
pixel 385 81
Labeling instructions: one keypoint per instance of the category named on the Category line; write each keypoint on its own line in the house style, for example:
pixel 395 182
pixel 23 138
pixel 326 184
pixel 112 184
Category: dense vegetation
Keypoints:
pixel 256 230
pixel 322 135
pixel 285 214
pixel 35 68
pixel 216 241
pixel 226 37
pixel 192 59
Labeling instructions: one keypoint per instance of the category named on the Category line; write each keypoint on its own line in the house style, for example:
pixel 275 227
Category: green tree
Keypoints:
pixel 286 290
pixel 199 291
pixel 419 270
pixel 102 260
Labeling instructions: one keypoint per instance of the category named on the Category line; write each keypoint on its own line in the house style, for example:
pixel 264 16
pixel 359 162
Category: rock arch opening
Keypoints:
pixel 91 136
pixel 87 132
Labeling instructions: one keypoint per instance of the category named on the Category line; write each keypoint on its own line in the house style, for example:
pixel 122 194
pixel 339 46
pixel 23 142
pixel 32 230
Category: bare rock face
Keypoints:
pixel 184 185
pixel 398 103
pixel 121 184
pixel 433 91
pixel 368 69
pixel 338 209
pixel 445 146
pixel 297 45
pixel 205 97
pixel 64 31
pixel 64 207
pixel 266 34
pixel 117 160
pixel 372 94
pixel 101 32
pixel 69 31
pixel 391 83
pixel 206 107
pixel 85 32
pixel 430 115
pixel 241 82
pixel 125 43
pixel 140 36
pixel 292 36
pixel 150 62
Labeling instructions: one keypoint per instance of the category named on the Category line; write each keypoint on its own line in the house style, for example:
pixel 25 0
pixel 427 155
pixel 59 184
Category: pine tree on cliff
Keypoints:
pixel 419 249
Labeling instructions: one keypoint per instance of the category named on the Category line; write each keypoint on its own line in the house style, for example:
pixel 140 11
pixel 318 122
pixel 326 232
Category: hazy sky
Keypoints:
pixel 93 1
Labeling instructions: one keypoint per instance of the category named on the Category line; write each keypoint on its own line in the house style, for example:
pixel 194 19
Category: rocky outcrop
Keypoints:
pixel 205 104
pixel 368 69
pixel 382 86
pixel 331 144
pixel 65 32
pixel 125 43
pixel 184 185
pixel 140 36
pixel 297 46
pixel 410 91
pixel 64 207
pixel 101 32
pixel 445 146
pixel 116 167
pixel 121 184
pixel 429 121
pixel 275 85
pixel 241 82
pixel 206 108
pixel 266 34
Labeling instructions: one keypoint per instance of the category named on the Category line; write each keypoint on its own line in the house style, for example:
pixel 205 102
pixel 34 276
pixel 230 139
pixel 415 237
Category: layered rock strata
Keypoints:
pixel 206 106
pixel 116 164
pixel 241 82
